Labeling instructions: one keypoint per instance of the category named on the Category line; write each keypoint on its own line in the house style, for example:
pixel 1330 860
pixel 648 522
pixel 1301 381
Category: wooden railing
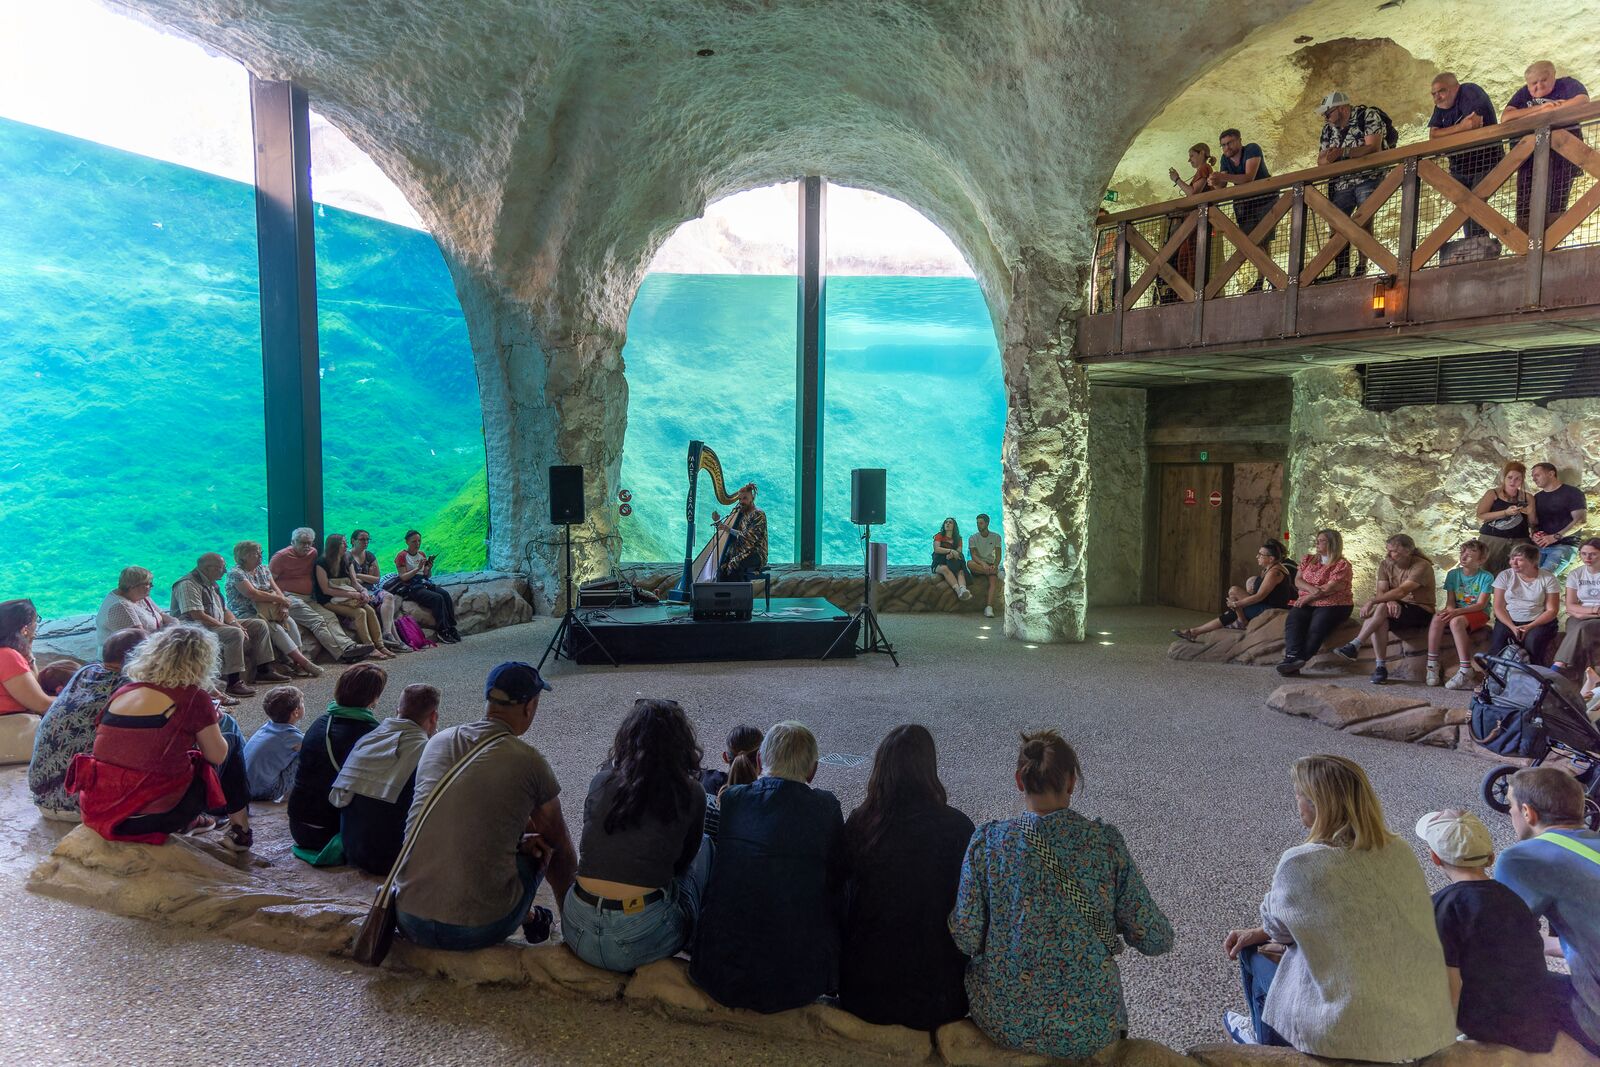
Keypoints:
pixel 1193 250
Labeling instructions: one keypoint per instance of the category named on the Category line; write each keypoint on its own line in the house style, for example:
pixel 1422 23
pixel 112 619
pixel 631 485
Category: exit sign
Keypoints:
pixel 1204 456
pixel 1110 197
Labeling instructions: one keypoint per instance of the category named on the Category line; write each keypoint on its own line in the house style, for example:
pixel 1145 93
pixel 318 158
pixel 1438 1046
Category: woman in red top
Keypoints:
pixel 948 562
pixel 19 685
pixel 160 760
pixel 1323 582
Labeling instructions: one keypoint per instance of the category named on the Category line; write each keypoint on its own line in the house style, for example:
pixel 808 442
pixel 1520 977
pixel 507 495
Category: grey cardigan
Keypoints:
pixel 1364 977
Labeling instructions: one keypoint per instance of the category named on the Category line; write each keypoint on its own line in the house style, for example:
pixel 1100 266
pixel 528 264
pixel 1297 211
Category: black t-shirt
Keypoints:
pixel 1489 934
pixel 373 830
pixel 1470 100
pixel 1553 508
pixel 1563 89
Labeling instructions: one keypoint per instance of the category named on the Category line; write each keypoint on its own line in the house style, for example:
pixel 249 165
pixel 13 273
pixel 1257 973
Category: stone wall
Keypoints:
pixel 1117 473
pixel 1257 515
pixel 1418 470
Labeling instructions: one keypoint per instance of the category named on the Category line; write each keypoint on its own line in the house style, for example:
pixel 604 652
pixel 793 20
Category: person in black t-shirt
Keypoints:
pixel 1461 107
pixel 1492 944
pixel 1545 91
pixel 1242 164
pixel 1559 512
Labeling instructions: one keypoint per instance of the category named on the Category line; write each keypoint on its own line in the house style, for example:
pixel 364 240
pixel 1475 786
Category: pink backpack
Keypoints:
pixel 406 628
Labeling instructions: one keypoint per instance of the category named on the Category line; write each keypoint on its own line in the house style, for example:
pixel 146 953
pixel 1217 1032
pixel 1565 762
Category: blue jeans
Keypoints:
pixel 619 941
pixel 1347 199
pixel 1553 558
pixel 1256 972
pixel 430 933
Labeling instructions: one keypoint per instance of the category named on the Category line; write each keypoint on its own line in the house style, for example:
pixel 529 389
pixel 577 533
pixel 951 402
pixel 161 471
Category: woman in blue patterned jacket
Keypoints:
pixel 1046 901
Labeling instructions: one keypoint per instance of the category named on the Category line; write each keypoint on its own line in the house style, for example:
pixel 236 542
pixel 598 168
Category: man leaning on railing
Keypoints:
pixel 1242 164
pixel 1544 91
pixel 1350 131
pixel 1461 107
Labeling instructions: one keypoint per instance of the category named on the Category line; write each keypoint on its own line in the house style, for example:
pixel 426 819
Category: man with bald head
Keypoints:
pixel 1461 107
pixel 246 643
pixel 1544 91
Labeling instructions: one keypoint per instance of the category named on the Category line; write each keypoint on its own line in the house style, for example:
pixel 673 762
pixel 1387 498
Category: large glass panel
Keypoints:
pixel 710 356
pixel 130 353
pixel 402 426
pixel 913 381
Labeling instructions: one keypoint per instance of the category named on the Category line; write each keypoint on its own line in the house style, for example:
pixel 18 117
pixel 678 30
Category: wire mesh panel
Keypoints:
pixel 1349 194
pixel 1247 213
pixel 1577 184
pixel 1102 286
pixel 1468 241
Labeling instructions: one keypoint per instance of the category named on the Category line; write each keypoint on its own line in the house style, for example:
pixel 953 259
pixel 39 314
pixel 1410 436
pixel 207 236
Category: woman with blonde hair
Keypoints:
pixel 1346 962
pixel 129 607
pixel 1323 601
pixel 1504 511
pixel 142 781
pixel 253 593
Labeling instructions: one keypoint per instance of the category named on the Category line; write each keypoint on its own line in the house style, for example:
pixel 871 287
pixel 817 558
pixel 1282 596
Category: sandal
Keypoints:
pixel 1185 635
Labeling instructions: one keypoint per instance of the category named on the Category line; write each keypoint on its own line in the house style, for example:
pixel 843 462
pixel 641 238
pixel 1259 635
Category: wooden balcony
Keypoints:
pixel 1180 293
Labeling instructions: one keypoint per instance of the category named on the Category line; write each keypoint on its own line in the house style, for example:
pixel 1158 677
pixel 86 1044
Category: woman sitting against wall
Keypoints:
pixel 20 691
pixel 1323 601
pixel 129 607
pixel 413 580
pixel 334 587
pixel 1272 588
pixel 1346 962
pixel 253 593
pixel 948 562
pixel 1527 602
pixel 1504 511
pixel 364 569
pixel 1579 653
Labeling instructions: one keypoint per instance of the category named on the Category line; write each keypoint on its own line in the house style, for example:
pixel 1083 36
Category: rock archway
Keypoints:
pixel 551 148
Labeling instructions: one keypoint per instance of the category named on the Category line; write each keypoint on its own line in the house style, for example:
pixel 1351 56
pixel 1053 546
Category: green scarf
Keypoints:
pixel 332 854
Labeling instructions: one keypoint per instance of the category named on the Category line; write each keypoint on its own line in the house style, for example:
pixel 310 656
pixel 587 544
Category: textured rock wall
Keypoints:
pixel 1118 474
pixel 1418 470
pixel 1257 514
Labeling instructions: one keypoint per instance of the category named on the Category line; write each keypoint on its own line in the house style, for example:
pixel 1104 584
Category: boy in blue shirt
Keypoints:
pixel 273 751
pixel 1467 590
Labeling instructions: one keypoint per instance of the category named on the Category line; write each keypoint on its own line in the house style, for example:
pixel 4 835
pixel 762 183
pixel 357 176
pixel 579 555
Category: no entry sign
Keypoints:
pixel 1216 498
pixel 1189 500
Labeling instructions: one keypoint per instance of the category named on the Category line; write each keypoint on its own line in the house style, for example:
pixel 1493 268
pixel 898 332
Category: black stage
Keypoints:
pixel 795 628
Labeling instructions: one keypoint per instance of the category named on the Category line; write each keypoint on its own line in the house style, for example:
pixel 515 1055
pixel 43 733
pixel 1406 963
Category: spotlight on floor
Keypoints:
pixel 1030 646
pixel 1108 642
pixel 983 637
pixel 1103 633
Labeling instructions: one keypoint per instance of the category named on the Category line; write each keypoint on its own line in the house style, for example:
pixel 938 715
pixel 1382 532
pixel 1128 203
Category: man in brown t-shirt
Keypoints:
pixel 1404 600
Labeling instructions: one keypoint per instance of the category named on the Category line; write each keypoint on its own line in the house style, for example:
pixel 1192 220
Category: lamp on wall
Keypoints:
pixel 1381 291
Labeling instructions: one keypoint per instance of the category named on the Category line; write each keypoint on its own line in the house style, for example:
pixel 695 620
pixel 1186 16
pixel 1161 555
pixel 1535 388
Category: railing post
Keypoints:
pixel 1297 254
pixel 1538 207
pixel 1408 236
pixel 1202 253
pixel 1119 286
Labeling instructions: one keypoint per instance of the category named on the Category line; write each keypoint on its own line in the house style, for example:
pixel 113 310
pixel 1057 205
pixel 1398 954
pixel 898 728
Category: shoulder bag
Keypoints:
pixel 1076 894
pixel 377 930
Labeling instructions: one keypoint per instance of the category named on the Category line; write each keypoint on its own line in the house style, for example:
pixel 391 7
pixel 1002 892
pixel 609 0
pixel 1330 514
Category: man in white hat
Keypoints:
pixel 1492 945
pixel 1350 131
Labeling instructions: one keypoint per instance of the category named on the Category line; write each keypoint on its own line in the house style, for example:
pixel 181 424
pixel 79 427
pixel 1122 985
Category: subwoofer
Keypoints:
pixel 566 495
pixel 867 491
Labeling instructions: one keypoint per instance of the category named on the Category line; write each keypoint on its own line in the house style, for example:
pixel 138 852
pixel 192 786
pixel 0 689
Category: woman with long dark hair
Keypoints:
pixel 20 691
pixel 1272 588
pixel 334 586
pixel 642 866
pixel 904 846
pixel 948 562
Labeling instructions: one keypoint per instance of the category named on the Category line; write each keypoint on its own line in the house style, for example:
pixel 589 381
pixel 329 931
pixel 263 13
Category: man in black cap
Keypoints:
pixel 470 878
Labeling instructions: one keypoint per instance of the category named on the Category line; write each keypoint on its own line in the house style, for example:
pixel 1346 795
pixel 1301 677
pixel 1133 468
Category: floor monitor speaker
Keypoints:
pixel 867 496
pixel 566 495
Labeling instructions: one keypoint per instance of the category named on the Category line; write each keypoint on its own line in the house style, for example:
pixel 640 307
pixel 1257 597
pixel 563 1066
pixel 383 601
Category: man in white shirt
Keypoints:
pixel 983 557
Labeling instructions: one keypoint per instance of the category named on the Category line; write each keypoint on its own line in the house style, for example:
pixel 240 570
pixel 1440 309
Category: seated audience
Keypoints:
pixel 1503 511
pixel 294 571
pixel 1467 593
pixel 252 593
pixel 1346 962
pixel 142 781
pixel 246 646
pixel 313 820
pixel 1559 512
pixel 744 770
pixel 413 580
pixel 947 560
pixel 768 936
pixel 1542 90
pixel 129 607
pixel 374 788
pixel 68 726
pixel 1461 107
pixel 468 881
pixel 335 588
pixel 903 852
pixel 1046 901
pixel 54 676
pixel 1272 588
pixel 983 559
pixel 642 863
pixel 20 692
pixel 1525 604
pixel 273 752
pixel 1404 599
pixel 1577 655
pixel 1493 950
pixel 364 569
pixel 1322 586
pixel 1555 868
pixel 741 739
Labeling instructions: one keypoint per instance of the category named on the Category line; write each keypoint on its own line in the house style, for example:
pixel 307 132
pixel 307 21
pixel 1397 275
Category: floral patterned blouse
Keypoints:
pixel 66 730
pixel 1039 977
pixel 1315 572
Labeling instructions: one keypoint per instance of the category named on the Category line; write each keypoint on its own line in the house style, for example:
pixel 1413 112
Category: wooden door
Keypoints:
pixel 1192 545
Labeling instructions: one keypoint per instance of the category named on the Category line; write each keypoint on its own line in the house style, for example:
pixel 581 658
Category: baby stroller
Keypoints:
pixel 1530 711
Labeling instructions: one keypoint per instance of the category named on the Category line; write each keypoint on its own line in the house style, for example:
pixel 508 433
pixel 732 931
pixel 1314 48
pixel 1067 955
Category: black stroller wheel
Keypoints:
pixel 1496 791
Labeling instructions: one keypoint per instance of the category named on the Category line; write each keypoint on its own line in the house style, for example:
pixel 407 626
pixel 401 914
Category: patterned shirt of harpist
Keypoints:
pixel 1040 978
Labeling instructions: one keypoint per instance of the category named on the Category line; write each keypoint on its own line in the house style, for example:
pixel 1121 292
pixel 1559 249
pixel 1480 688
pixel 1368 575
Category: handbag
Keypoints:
pixel 1076 894
pixel 377 929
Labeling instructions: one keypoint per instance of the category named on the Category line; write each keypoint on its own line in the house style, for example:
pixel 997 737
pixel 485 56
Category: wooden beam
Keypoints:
pixel 1487 186
pixel 1249 247
pixel 1475 207
pixel 1573 217
pixel 1157 260
pixel 1575 150
pixel 1362 216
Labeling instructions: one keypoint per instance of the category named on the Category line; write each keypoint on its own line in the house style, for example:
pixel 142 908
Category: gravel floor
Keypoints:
pixel 1185 758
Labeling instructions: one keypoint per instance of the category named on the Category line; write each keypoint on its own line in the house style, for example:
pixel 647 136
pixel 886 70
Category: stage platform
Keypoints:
pixel 795 628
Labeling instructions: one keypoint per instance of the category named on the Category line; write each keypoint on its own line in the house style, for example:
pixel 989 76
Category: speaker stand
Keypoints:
pixel 872 637
pixel 571 621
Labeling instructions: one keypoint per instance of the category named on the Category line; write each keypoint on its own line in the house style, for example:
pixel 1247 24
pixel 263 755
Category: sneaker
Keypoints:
pixel 963 594
pixel 1433 673
pixel 238 838
pixel 355 653
pixel 1348 651
pixel 1290 666
pixel 988 612
pixel 1462 679
pixel 396 646
pixel 536 927
pixel 1380 674
pixel 1239 1028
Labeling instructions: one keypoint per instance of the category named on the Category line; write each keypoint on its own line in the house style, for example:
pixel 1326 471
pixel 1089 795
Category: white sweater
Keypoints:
pixel 1364 977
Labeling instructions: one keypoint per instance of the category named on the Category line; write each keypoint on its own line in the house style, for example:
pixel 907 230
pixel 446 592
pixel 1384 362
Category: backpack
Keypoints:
pixel 1391 136
pixel 407 630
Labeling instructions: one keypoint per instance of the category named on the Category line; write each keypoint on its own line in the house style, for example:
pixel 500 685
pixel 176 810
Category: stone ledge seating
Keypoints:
pixel 905 589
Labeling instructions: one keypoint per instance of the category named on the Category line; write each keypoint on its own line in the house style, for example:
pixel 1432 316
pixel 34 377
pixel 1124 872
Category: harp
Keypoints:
pixel 701 458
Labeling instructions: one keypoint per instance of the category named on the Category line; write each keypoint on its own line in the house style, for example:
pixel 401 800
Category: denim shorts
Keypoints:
pixel 623 941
